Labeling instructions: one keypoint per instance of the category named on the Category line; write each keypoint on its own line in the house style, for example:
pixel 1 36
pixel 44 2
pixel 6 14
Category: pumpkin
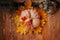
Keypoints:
pixel 29 19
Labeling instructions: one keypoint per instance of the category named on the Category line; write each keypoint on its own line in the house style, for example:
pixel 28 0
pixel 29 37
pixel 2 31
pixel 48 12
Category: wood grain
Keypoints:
pixel 51 31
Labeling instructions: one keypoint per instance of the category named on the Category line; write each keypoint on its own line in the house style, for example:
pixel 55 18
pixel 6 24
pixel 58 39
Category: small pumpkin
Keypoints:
pixel 30 19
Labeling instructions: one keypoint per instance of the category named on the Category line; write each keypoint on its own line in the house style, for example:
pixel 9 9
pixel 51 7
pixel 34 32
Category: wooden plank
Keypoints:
pixel 51 30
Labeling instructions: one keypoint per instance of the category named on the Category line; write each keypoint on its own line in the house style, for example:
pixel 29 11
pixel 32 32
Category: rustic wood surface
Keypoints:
pixel 51 31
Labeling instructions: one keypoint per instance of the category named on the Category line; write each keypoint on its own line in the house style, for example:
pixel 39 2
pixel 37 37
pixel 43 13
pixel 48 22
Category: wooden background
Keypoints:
pixel 51 30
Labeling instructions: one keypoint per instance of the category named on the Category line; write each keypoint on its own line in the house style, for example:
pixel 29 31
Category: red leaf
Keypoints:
pixel 24 18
